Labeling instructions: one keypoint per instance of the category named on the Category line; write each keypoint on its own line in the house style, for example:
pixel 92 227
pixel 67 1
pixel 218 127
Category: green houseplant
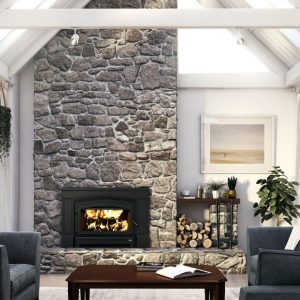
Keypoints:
pixel 5 118
pixel 231 182
pixel 277 195
pixel 215 187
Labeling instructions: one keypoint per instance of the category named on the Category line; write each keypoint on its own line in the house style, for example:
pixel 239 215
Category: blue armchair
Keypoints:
pixel 19 265
pixel 273 273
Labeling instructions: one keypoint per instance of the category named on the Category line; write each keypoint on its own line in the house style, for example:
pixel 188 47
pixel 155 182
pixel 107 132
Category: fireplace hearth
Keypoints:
pixel 105 217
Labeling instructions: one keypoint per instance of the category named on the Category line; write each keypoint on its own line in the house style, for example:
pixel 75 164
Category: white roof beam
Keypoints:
pixel 293 76
pixel 40 38
pixel 149 18
pixel 3 71
pixel 229 80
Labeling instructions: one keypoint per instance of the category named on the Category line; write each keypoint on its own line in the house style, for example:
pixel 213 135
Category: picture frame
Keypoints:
pixel 237 143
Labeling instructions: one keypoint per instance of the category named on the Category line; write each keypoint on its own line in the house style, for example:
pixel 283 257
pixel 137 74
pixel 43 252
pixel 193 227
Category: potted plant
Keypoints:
pixel 216 186
pixel 277 195
pixel 5 117
pixel 231 182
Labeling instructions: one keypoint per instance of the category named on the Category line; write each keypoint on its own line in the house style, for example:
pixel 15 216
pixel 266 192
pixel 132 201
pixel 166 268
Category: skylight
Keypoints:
pixel 270 3
pixel 213 50
pixel 31 4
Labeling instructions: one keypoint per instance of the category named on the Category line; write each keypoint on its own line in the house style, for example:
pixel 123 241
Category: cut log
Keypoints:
pixel 202 231
pixel 207 224
pixel 207 243
pixel 200 225
pixel 187 227
pixel 194 226
pixel 207 229
pixel 179 239
pixel 194 235
pixel 205 236
pixel 193 243
pixel 200 236
pixel 181 227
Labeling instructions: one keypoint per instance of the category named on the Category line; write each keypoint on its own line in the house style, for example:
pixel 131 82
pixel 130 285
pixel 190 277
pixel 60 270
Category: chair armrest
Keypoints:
pixel 4 274
pixel 266 238
pixel 278 267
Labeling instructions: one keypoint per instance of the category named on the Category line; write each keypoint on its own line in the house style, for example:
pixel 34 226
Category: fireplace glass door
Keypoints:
pixel 105 220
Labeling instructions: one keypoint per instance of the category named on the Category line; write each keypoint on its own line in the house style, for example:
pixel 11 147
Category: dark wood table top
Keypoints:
pixel 128 276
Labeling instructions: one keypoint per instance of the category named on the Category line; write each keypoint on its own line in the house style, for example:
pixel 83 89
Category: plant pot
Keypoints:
pixel 215 194
pixel 231 194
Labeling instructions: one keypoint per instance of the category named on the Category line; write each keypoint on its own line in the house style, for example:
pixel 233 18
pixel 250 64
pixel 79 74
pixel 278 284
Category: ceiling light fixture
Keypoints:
pixel 75 38
pixel 240 39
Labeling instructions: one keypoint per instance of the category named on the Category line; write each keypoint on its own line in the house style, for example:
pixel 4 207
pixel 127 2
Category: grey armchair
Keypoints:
pixel 273 273
pixel 261 257
pixel 19 265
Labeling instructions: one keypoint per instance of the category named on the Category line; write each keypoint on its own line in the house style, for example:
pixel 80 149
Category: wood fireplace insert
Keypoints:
pixel 105 217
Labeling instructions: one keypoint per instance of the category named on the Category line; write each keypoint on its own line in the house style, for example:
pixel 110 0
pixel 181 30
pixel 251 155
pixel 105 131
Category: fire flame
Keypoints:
pixel 105 220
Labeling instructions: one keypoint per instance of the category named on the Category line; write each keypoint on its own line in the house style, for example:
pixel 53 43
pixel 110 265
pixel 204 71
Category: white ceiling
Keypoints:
pixel 277 48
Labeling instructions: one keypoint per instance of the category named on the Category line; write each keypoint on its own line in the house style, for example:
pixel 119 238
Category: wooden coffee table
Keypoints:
pixel 127 277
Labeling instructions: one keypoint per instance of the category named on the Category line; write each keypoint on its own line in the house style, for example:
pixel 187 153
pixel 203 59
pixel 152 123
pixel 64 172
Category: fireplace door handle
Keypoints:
pixel 135 223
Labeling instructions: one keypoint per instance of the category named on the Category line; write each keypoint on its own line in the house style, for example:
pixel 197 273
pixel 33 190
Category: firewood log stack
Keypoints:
pixel 193 234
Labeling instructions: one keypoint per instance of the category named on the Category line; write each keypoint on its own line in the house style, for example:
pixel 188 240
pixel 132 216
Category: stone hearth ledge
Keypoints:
pixel 60 260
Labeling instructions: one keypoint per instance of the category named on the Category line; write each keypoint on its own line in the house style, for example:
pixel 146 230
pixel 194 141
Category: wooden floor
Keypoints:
pixel 58 280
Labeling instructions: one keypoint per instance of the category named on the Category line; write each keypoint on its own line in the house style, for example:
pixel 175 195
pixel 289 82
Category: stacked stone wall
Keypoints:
pixel 105 116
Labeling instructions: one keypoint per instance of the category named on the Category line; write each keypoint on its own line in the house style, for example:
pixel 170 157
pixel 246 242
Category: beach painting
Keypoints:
pixel 237 143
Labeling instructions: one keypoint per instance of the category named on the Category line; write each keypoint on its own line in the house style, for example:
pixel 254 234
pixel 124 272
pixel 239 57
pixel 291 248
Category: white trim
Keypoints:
pixel 238 80
pixel 150 18
pixel 293 76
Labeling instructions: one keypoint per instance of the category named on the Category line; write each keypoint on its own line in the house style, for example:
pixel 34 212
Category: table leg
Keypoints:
pixel 219 291
pixel 207 292
pixel 82 294
pixel 87 294
pixel 73 291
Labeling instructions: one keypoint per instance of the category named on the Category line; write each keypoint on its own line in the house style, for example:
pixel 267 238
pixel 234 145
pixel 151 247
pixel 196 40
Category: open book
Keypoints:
pixel 181 271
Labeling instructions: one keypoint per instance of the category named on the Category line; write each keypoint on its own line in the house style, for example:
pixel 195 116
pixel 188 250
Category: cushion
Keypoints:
pixel 294 238
pixel 270 293
pixel 253 262
pixel 21 276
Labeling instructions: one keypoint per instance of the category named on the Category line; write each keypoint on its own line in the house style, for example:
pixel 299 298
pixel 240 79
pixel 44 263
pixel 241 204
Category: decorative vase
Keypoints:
pixel 231 194
pixel 215 194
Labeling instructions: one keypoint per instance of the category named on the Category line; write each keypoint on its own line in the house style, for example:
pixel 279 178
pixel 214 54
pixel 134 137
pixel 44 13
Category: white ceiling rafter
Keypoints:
pixel 293 76
pixel 247 80
pixel 35 39
pixel 149 18
pixel 277 43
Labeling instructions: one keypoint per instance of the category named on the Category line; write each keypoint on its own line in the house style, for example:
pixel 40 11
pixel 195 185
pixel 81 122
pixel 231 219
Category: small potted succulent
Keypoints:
pixel 231 182
pixel 215 187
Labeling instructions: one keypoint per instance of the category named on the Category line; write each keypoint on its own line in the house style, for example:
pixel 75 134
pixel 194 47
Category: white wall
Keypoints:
pixel 194 102
pixel 26 209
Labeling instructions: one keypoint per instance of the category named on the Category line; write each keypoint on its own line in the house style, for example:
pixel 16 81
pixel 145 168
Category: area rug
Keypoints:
pixel 53 293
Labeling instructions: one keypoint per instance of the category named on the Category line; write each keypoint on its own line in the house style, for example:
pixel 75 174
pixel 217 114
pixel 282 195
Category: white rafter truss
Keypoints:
pixel 260 28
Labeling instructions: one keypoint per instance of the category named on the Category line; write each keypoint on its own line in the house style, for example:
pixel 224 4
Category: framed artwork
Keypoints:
pixel 237 144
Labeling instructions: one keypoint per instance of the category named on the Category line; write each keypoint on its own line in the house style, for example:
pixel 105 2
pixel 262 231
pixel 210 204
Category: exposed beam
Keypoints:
pixel 39 38
pixel 293 76
pixel 247 80
pixel 3 71
pixel 150 18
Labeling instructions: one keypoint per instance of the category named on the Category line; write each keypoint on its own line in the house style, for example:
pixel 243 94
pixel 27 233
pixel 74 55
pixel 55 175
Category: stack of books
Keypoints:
pixel 149 266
